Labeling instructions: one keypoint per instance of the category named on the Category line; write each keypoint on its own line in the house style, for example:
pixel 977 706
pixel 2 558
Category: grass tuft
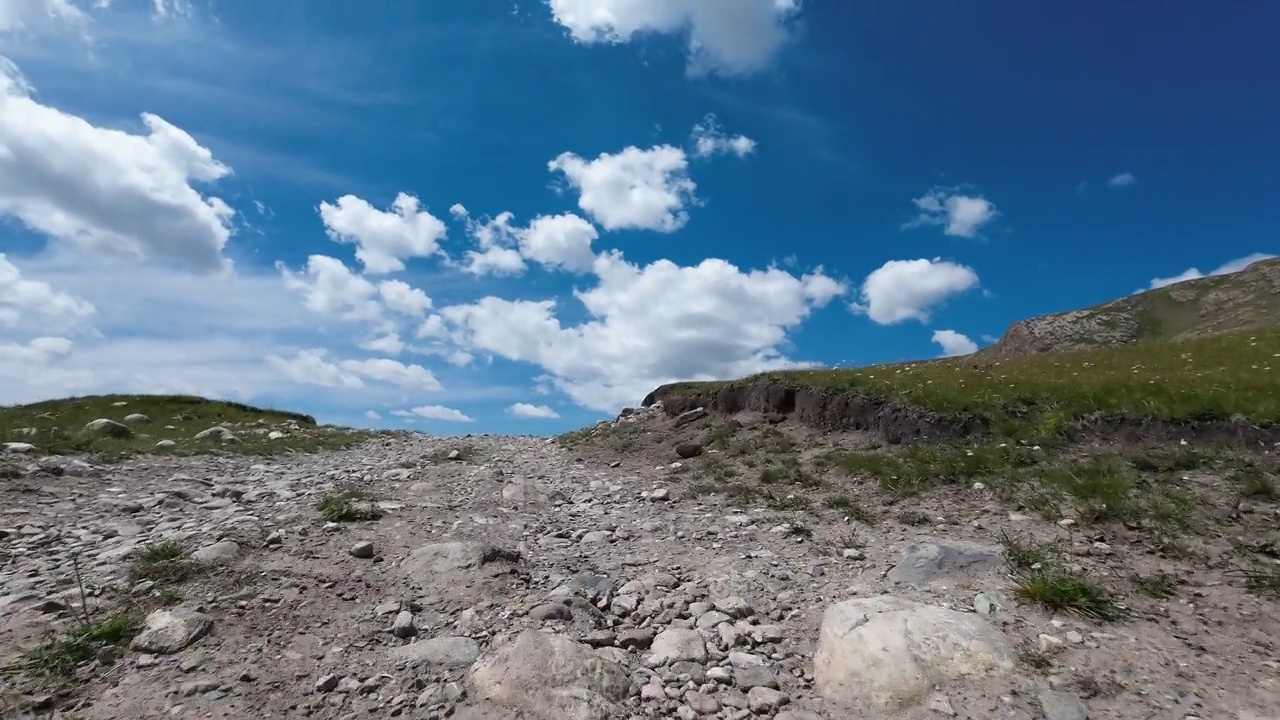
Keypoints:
pixel 348 505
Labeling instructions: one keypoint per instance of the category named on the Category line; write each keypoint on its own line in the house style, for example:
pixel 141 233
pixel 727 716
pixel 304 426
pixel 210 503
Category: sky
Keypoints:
pixel 520 216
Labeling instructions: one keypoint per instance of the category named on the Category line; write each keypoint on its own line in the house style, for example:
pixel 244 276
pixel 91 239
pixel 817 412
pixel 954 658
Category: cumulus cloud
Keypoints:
pixel 29 300
pixel 1226 268
pixel 1124 179
pixel 383 239
pixel 312 367
pixel 958 213
pixel 735 38
pixel 109 191
pixel 649 325
pixel 633 189
pixel 38 351
pixel 710 139
pixel 552 241
pixel 902 290
pixel 533 412
pixel 953 343
pixel 433 412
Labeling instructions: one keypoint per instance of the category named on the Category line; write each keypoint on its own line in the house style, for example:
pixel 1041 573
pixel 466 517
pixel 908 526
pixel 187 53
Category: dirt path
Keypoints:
pixel 677 605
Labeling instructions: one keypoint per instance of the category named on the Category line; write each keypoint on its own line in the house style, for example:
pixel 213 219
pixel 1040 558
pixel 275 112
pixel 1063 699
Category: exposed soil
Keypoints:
pixel 834 411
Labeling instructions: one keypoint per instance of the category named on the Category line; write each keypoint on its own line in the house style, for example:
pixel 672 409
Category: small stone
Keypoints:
pixel 326 683
pixel 218 553
pixel 168 631
pixel 688 450
pixel 1057 705
pixel 660 495
pixel 403 626
pixel 763 700
pixel 362 550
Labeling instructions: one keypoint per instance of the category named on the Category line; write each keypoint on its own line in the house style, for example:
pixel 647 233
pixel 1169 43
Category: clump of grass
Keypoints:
pixel 163 562
pixel 854 511
pixel 788 471
pixel 1256 484
pixel 720 436
pixel 100 642
pixel 1040 577
pixel 10 471
pixel 1159 586
pixel 1180 459
pixel 348 505
pixel 1263 581
pixel 790 502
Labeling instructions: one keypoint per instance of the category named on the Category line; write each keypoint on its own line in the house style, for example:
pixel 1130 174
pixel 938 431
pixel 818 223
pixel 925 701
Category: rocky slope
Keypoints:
pixel 600 577
pixel 1246 301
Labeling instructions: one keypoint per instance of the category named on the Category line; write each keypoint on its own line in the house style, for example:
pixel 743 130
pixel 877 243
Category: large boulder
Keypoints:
pixel 541 676
pixel 880 654
pixel 108 428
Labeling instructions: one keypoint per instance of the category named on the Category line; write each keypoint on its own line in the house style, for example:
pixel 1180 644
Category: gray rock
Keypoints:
pixel 1056 705
pixel 218 553
pixel 165 446
pixel 763 700
pixel 922 562
pixel 675 644
pixel 442 651
pixel 551 611
pixel 711 619
pixel 169 631
pixel 402 626
pixel 689 416
pixel 688 450
pixel 19 448
pixel 362 550
pixel 550 677
pixel 445 557
pixel 880 654
pixel 108 428
pixel 637 638
pixel 136 419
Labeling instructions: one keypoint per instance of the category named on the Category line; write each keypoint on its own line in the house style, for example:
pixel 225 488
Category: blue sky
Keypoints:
pixel 501 216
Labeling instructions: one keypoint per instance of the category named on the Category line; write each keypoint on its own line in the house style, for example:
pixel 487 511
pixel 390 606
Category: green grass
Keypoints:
pixel 1040 397
pixel 1040 577
pixel 347 505
pixel 165 562
pixel 102 642
pixel 59 427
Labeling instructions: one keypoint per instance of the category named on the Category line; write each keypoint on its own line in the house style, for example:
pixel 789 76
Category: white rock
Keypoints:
pixel 880 654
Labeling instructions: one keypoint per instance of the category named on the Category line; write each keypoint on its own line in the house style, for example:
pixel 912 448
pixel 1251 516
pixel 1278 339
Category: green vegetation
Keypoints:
pixel 165 562
pixel 348 505
pixel 1038 398
pixel 101 641
pixel 58 427
pixel 1041 577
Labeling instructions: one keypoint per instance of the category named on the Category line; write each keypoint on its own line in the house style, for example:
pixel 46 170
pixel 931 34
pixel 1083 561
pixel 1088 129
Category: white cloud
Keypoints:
pixel 562 241
pixel 734 38
pixel 403 298
pixel 553 241
pixel 649 325
pixel 312 367
pixel 372 415
pixel 633 189
pixel 533 412
pixel 710 139
pixel 39 351
pixel 1226 268
pixel 109 191
pixel 433 412
pixel 39 15
pixel 329 287
pixel 953 343
pixel 903 290
pixel 961 215
pixel 1124 179
pixel 28 300
pixel 383 240
pixel 389 344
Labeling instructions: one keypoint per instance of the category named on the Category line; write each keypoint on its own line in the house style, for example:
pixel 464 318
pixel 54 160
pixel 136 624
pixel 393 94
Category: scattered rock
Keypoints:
pixel 362 550
pixel 550 677
pixel 109 428
pixel 688 450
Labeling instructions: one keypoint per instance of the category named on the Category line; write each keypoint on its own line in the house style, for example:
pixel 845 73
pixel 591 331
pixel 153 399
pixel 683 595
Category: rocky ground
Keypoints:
pixel 514 577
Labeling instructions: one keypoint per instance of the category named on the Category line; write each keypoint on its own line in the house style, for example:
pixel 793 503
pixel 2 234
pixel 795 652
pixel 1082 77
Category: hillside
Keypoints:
pixel 1246 301
pixel 1042 537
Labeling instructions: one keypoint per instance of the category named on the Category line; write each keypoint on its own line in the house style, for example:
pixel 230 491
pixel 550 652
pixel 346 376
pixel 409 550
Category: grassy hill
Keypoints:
pixel 140 422
pixel 1246 301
